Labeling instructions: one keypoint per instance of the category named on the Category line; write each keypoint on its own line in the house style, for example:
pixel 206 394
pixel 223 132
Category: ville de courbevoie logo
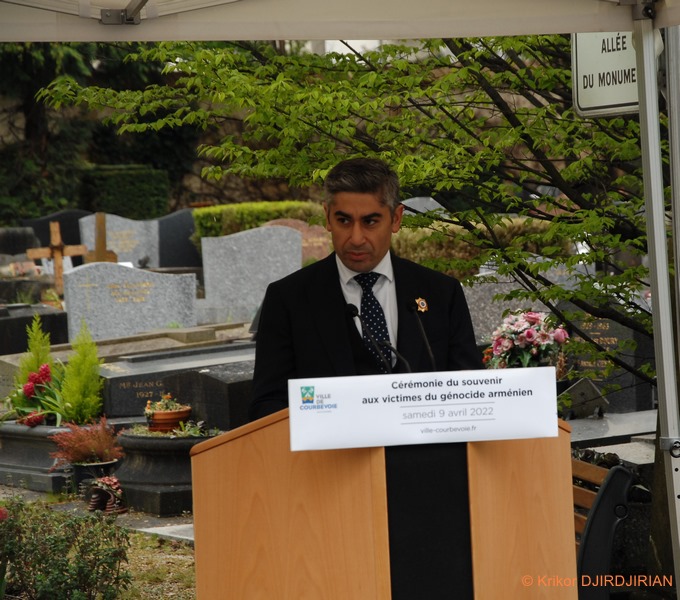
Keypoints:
pixel 307 393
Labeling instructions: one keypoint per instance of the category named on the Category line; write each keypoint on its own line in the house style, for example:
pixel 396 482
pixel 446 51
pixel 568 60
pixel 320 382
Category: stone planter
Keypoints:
pixel 156 473
pixel 25 458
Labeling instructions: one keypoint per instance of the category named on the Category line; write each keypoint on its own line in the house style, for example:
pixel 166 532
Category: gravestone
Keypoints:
pixel 175 246
pixel 116 301
pixel 131 381
pixel 238 268
pixel 14 320
pixel 487 313
pixel 68 225
pixel 16 240
pixel 220 395
pixel 316 241
pixel 132 241
pixel 634 394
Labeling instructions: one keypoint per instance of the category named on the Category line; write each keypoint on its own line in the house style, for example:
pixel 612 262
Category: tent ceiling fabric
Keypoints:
pixel 20 20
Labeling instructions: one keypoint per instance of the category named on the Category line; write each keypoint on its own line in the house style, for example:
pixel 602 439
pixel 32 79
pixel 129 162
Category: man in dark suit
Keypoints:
pixel 309 326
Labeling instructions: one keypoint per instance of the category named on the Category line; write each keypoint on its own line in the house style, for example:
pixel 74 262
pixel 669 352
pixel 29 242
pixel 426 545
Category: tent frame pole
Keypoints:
pixel 657 230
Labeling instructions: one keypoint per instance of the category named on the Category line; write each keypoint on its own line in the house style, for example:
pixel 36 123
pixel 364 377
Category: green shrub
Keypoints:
pixel 226 219
pixel 82 385
pixel 442 249
pixel 57 555
pixel 130 191
pixel 37 354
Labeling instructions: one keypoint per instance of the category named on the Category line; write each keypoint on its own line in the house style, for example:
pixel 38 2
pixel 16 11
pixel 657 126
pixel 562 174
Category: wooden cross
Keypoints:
pixel 56 252
pixel 101 253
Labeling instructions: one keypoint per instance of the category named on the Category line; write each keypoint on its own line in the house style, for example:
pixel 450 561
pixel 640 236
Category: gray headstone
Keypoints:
pixel 136 242
pixel 116 301
pixel 487 313
pixel 238 268
pixel 175 246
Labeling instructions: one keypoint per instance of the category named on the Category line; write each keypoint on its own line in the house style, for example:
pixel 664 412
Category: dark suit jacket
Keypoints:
pixel 303 329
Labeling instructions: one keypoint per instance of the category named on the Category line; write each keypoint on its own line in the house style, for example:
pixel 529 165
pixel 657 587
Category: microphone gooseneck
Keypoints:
pixel 353 311
pixel 398 354
pixel 412 307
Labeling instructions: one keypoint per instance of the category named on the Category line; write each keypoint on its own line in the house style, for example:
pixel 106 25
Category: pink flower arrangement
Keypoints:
pixel 525 339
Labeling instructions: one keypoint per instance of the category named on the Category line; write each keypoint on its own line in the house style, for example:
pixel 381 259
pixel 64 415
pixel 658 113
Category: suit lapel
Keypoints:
pixel 409 339
pixel 328 311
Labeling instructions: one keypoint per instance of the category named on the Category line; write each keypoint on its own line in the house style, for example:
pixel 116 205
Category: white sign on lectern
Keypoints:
pixel 422 408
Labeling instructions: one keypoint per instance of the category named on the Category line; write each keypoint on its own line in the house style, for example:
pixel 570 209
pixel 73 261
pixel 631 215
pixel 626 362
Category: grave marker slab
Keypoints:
pixel 634 394
pixel 130 381
pixel 132 241
pixel 238 268
pixel 116 301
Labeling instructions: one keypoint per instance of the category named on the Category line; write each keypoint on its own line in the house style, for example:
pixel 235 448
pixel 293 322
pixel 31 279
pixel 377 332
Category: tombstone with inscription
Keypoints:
pixel 132 380
pixel 115 301
pixel 132 241
pixel 632 394
pixel 238 268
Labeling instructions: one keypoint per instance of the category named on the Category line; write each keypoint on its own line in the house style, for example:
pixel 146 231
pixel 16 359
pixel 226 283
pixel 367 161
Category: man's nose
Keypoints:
pixel 357 237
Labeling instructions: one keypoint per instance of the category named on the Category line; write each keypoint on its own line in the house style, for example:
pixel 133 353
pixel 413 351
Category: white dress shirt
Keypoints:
pixel 384 290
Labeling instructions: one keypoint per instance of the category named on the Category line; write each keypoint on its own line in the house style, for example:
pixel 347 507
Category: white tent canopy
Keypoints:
pixel 79 20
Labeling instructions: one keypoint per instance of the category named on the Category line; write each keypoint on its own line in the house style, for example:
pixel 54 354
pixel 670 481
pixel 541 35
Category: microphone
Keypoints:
pixel 353 311
pixel 412 307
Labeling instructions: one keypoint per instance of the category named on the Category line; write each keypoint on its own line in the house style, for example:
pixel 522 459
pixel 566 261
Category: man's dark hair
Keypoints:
pixel 365 176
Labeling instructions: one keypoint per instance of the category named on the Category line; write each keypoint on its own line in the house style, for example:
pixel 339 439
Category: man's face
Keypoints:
pixel 361 229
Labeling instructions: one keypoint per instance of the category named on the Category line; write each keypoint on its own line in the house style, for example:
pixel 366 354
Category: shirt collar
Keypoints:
pixel 384 267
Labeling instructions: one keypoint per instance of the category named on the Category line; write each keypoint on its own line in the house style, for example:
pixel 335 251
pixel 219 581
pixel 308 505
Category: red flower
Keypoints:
pixel 29 388
pixel 34 378
pixel 44 373
pixel 32 419
pixel 4 513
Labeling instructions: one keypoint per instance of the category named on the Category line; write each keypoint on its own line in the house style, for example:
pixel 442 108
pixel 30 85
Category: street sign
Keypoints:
pixel 604 73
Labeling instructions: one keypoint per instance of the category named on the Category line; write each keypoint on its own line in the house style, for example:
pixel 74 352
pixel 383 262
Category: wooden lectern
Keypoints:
pixel 481 520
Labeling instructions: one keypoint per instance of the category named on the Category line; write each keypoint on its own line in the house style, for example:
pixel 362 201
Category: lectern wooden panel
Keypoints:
pixel 379 523
pixel 521 510
pixel 272 524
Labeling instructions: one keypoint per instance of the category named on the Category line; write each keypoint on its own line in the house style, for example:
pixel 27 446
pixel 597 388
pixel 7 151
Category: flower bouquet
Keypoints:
pixel 527 339
pixel 106 494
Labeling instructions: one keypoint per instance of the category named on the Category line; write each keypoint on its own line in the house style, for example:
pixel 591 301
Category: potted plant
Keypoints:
pixel 106 495
pixel 91 450
pixel 49 391
pixel 166 414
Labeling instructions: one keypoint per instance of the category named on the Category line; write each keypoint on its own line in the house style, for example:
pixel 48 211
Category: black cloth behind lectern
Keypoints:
pixel 429 522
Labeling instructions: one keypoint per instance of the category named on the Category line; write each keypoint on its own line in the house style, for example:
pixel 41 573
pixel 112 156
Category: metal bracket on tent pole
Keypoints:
pixel 128 16
pixel 670 444
pixel 644 9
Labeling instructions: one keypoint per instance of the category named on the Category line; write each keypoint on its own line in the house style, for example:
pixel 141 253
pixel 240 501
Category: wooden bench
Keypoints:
pixel 600 504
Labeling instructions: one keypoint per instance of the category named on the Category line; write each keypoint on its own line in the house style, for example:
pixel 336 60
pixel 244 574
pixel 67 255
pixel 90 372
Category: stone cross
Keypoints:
pixel 56 251
pixel 101 253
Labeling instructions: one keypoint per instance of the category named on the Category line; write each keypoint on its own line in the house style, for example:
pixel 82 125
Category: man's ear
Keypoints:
pixel 396 218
